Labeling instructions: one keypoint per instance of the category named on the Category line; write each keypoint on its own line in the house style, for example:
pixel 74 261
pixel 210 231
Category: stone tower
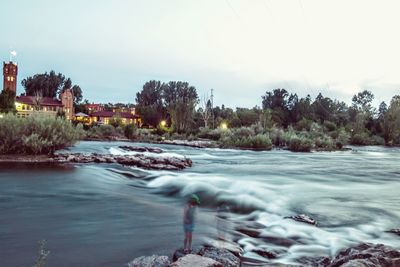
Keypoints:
pixel 10 72
pixel 67 99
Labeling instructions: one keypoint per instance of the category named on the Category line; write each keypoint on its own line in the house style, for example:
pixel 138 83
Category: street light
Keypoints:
pixel 163 123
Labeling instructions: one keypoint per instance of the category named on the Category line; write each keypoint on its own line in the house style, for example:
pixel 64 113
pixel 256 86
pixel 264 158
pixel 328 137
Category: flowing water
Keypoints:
pixel 107 214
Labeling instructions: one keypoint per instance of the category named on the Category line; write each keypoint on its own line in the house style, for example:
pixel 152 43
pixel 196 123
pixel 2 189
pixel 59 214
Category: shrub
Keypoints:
pixel 257 128
pixel 361 139
pixel 260 141
pixel 105 132
pixel 325 142
pixel 277 136
pixel 343 138
pixel 304 124
pixel 162 130
pixel 377 140
pixel 329 126
pixel 116 121
pixel 36 134
pixel 243 132
pixel 211 134
pixel 130 131
pixel 299 144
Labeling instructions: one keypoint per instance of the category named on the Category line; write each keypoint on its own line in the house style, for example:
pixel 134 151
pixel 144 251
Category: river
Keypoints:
pixel 106 214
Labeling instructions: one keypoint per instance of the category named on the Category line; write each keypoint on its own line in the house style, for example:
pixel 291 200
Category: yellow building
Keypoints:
pixel 27 105
pixel 105 117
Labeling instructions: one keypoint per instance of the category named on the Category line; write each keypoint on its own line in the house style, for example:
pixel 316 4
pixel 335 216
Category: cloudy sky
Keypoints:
pixel 241 48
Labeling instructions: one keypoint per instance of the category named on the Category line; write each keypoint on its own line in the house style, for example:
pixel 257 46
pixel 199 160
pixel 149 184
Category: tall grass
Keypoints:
pixel 36 134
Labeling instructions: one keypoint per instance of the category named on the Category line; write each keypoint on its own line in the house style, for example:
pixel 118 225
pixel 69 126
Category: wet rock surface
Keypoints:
pixel 179 253
pixel 138 160
pixel 194 260
pixel 220 255
pixel 362 255
pixel 249 232
pixel 224 256
pixel 142 149
pixel 315 262
pixel 367 255
pixel 266 253
pixel 150 261
pixel 197 143
pixel 302 218
pixel 394 231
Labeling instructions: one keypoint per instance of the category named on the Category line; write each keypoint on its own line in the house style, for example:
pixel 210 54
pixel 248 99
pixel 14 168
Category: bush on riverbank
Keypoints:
pixel 105 132
pixel 36 134
pixel 246 138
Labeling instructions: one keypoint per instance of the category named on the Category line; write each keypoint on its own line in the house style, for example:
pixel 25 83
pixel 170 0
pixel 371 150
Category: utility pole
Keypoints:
pixel 212 107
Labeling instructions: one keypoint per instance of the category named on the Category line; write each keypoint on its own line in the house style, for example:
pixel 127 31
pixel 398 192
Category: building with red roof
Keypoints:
pixel 105 117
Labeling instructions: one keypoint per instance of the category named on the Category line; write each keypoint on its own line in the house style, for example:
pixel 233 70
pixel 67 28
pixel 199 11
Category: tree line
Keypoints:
pixel 178 103
pixel 365 124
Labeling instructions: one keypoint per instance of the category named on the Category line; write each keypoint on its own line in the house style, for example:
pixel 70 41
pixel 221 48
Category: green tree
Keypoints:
pixel 77 91
pixel 50 85
pixel 7 101
pixel 393 121
pixel 247 116
pixel 363 101
pixel 149 102
pixel 322 108
pixel 277 101
pixel 180 99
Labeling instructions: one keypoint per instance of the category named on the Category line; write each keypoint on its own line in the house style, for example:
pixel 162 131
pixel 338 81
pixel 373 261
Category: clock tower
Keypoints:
pixel 10 72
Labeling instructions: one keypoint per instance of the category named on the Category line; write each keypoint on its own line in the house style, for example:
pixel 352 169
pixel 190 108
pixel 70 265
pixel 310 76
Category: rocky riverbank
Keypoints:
pixel 138 160
pixel 362 255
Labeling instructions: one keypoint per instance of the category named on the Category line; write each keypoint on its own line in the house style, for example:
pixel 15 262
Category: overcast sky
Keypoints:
pixel 241 48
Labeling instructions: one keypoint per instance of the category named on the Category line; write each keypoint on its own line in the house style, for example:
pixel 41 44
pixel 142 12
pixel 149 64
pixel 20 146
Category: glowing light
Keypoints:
pixel 224 126
pixel 163 123
pixel 1 116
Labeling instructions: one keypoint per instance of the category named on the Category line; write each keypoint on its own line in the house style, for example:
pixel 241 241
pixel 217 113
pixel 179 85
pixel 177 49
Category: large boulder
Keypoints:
pixel 224 256
pixel 150 261
pixel 193 260
pixel 179 253
pixel 366 255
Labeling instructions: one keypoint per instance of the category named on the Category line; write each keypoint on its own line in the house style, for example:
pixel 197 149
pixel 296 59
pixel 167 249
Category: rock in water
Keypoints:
pixel 315 262
pixel 193 260
pixel 394 231
pixel 266 254
pixel 142 149
pixel 179 253
pixel 224 256
pixel 302 218
pixel 150 261
pixel 365 255
pixel 138 160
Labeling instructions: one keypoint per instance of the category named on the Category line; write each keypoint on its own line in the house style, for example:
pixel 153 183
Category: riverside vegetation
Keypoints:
pixel 36 134
pixel 284 120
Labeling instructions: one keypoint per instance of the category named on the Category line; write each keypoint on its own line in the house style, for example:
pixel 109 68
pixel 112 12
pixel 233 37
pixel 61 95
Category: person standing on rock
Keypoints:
pixel 188 221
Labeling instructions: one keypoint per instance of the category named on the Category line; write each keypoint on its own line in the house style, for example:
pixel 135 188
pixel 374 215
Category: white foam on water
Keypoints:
pixel 117 151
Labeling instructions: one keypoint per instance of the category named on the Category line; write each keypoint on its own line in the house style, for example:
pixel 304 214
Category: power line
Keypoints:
pixel 233 10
